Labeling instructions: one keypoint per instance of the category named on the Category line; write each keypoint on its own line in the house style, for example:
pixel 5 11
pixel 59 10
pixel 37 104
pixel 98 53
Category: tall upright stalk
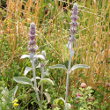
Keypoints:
pixel 73 29
pixel 42 76
pixel 32 49
pixel 67 80
pixel 34 77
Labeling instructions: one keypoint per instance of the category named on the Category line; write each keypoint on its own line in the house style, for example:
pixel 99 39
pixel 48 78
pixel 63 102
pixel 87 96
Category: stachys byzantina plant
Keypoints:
pixel 70 69
pixel 36 81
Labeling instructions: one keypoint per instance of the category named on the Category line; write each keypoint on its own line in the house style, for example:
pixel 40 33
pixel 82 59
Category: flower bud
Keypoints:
pixel 32 37
pixel 32 50
pixel 83 85
pixel 32 42
pixel 78 95
pixel 107 84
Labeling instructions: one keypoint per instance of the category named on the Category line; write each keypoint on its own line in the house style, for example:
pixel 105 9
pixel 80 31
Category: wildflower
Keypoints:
pixel 74 17
pixel 32 43
pixel 15 103
pixel 83 85
pixel 78 95
pixel 107 84
pixel 73 28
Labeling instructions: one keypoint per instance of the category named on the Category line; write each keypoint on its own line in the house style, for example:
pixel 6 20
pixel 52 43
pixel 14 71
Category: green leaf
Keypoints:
pixel 78 66
pixel 23 80
pixel 58 66
pixel 46 81
pixel 59 101
pixel 56 108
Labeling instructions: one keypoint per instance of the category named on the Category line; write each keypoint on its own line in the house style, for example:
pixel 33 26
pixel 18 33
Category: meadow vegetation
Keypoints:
pixel 89 89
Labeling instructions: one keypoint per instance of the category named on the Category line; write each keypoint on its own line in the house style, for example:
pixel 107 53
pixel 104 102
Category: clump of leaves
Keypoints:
pixel 84 99
pixel 7 97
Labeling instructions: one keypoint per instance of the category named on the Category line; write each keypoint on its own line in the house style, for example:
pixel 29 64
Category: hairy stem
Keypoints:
pixel 67 82
pixel 35 83
pixel 42 75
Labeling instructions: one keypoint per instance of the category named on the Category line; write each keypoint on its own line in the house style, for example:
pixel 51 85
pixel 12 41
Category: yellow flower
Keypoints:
pixel 15 105
pixel 15 101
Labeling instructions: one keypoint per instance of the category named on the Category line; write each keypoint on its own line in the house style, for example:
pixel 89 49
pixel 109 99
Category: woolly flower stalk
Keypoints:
pixel 32 49
pixel 73 28
pixel 32 43
pixel 74 17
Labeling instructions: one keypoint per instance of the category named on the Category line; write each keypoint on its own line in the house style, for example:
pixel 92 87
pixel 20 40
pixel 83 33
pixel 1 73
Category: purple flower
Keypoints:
pixel 74 17
pixel 73 28
pixel 32 43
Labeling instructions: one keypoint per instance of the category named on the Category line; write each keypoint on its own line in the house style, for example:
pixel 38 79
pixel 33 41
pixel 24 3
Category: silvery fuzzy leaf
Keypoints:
pixel 78 66
pixel 4 92
pixel 23 80
pixel 46 73
pixel 39 66
pixel 39 57
pixel 67 106
pixel 12 92
pixel 25 56
pixel 27 69
pixel 58 66
pixel 46 81
pixel 36 78
pixel 47 97
pixel 44 53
